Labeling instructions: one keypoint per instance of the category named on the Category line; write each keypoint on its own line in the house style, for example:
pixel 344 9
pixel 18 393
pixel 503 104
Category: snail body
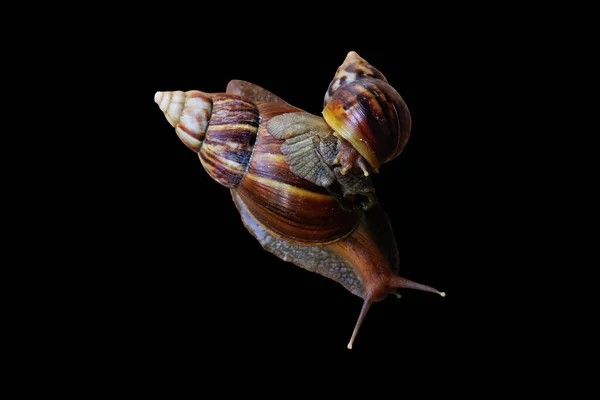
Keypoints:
pixel 300 182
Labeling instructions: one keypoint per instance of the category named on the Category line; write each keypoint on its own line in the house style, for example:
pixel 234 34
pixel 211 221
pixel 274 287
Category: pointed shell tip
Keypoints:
pixel 353 57
pixel 158 97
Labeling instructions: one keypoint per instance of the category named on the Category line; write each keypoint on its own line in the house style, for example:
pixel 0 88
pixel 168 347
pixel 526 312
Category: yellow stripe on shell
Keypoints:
pixel 226 127
pixel 335 122
pixel 268 158
pixel 214 152
pixel 284 187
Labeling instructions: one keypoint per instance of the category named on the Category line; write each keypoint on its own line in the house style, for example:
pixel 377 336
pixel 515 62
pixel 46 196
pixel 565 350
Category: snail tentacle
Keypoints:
pixel 363 313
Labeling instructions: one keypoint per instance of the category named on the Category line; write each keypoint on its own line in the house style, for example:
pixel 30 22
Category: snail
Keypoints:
pixel 302 182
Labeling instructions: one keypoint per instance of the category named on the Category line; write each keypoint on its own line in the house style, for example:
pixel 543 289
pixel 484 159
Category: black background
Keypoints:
pixel 196 285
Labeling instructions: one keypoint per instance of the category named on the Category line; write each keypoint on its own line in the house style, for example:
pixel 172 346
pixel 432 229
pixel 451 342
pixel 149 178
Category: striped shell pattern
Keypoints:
pixel 366 111
pixel 229 133
pixel 221 128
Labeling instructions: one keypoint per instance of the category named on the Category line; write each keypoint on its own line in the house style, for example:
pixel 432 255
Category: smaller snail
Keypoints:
pixel 366 124
pixel 365 110
pixel 301 182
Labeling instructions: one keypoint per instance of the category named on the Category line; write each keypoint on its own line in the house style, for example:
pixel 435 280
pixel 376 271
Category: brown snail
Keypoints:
pixel 302 182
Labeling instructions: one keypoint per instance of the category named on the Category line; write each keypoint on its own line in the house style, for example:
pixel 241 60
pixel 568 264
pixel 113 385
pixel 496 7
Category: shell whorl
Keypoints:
pixel 220 127
pixel 189 113
pixel 227 149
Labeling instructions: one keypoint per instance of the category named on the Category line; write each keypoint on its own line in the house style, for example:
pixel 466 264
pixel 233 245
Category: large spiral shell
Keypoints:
pixel 224 130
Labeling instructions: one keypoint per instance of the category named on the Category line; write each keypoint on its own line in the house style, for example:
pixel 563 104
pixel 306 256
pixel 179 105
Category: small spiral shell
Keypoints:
pixel 366 111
